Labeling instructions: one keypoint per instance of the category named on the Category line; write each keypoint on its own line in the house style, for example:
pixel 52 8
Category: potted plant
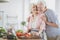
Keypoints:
pixel 23 23
pixel 11 37
pixel 24 28
pixel 2 31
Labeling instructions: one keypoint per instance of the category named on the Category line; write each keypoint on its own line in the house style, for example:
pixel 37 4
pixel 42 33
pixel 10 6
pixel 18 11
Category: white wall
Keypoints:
pixel 14 8
pixel 57 7
pixel 50 4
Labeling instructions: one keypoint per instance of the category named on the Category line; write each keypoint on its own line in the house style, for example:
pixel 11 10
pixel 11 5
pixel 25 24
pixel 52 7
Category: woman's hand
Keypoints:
pixel 28 28
pixel 44 18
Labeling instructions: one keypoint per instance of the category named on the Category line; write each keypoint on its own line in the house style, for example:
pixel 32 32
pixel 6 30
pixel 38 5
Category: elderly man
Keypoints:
pixel 50 19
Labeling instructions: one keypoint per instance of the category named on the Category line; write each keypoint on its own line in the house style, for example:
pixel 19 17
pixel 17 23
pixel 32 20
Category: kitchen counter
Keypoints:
pixel 25 38
pixel 20 39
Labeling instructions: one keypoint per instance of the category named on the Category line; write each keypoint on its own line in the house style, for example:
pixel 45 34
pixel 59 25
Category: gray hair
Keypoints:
pixel 38 1
pixel 42 2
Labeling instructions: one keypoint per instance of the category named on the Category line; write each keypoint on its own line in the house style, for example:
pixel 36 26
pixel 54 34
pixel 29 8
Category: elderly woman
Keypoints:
pixel 35 22
pixel 50 19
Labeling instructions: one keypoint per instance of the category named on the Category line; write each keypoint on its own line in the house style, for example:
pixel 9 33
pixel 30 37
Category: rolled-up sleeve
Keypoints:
pixel 52 17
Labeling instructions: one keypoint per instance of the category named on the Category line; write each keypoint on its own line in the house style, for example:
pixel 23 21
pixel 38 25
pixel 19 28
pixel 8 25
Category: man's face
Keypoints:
pixel 40 6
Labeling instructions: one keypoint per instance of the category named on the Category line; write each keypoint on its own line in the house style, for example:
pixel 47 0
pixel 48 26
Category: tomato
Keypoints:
pixel 27 34
pixel 19 34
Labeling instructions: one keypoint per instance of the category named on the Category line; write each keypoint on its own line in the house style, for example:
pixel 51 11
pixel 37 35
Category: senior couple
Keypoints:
pixel 41 19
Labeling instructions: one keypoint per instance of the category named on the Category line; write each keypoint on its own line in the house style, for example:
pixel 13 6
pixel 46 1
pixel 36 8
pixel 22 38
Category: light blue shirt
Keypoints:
pixel 51 31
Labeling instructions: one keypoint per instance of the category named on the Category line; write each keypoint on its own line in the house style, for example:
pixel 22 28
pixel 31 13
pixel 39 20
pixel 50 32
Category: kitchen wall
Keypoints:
pixel 57 7
pixel 13 8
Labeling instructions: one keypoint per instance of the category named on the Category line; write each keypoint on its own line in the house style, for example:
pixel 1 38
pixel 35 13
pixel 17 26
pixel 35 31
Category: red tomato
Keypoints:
pixel 19 34
pixel 27 34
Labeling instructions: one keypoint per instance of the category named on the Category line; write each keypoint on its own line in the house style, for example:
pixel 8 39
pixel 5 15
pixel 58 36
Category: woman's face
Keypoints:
pixel 34 9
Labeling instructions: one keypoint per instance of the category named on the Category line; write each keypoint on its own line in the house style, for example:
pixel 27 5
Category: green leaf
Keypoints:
pixel 20 31
pixel 2 29
pixel 23 23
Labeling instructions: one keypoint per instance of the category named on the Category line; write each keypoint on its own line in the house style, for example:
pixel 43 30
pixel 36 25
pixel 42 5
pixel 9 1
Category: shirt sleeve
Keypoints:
pixel 53 17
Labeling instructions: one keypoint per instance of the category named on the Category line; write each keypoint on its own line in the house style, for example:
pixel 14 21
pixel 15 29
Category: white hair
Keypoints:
pixel 38 1
pixel 44 3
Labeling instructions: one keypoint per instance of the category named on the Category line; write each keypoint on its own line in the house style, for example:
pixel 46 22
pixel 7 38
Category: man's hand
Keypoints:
pixel 49 23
